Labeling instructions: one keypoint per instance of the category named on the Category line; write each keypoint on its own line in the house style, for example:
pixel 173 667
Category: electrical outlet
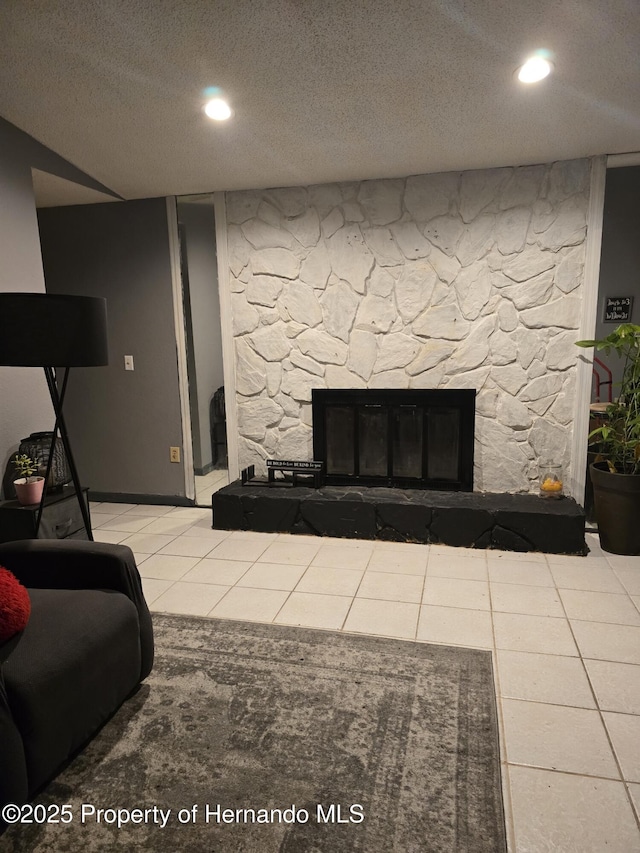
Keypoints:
pixel 174 454
pixel 128 362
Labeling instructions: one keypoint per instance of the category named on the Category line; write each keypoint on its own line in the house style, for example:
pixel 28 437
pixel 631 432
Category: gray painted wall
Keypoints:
pixel 620 259
pixel 121 423
pixel 206 362
pixel 25 405
pixel 16 144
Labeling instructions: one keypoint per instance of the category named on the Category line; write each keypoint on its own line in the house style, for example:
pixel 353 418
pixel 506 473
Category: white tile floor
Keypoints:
pixel 209 483
pixel 564 633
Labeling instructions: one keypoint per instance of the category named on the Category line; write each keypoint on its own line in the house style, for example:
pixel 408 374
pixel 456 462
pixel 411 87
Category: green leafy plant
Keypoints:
pixel 619 438
pixel 25 466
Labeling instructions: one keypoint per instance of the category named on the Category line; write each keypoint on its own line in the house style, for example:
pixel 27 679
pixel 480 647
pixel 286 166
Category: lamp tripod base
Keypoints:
pixel 57 398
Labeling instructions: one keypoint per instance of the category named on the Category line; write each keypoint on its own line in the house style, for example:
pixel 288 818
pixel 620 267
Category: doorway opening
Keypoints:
pixel 203 335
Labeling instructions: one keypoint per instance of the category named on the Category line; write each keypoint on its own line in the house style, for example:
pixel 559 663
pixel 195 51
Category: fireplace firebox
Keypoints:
pixel 395 437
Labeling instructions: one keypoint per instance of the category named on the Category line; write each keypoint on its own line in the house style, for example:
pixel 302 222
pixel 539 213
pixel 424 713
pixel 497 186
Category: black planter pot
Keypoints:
pixel 617 502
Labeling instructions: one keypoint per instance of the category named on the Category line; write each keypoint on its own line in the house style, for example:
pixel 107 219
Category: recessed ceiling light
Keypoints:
pixel 536 68
pixel 218 109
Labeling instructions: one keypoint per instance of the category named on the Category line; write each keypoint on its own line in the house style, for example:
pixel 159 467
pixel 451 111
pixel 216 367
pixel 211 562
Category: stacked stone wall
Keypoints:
pixel 456 280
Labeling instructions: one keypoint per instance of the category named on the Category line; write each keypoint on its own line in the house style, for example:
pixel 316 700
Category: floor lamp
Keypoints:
pixel 54 331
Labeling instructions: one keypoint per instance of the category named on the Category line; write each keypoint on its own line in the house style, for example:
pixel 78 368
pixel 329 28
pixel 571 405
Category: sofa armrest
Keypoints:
pixel 77 564
pixel 72 564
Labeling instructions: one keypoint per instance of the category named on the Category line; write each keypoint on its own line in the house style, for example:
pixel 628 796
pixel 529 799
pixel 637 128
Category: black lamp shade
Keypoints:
pixel 53 330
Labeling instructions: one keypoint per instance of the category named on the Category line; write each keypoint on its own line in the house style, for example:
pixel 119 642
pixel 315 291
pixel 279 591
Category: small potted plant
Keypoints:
pixel 28 486
pixel 616 472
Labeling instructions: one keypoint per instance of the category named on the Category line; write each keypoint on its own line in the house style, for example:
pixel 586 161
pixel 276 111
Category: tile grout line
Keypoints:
pixel 573 773
pixel 600 713
pixel 502 733
pixel 423 590
pixel 233 585
pixel 348 613
pixel 290 592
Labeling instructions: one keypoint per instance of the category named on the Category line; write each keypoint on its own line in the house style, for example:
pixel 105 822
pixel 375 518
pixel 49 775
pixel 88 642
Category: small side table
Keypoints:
pixel 61 518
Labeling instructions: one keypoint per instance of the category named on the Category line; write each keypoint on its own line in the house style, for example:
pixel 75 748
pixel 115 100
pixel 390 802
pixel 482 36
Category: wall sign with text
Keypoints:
pixel 617 309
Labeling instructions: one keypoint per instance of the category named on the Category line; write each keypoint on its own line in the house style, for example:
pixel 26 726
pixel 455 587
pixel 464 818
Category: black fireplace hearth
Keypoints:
pixel 418 446
pixel 416 439
pixel 506 522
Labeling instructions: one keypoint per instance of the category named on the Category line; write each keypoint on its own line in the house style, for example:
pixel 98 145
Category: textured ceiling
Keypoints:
pixel 322 90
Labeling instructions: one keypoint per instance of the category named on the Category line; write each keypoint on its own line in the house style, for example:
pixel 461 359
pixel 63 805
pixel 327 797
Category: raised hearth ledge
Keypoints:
pixel 461 519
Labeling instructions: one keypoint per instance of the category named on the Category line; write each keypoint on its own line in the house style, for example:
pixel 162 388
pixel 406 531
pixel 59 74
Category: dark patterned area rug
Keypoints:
pixel 250 737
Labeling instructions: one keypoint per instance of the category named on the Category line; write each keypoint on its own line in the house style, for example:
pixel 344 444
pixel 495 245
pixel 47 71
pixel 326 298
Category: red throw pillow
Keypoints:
pixel 15 605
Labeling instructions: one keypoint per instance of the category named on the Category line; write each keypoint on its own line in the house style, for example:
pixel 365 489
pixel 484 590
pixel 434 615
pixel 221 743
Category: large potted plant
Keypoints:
pixel 616 472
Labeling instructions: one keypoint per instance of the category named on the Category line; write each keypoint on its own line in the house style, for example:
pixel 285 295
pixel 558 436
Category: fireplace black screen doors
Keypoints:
pixel 403 438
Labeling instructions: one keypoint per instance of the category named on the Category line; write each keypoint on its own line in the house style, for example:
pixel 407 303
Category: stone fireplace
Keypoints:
pixel 399 467
pixel 466 280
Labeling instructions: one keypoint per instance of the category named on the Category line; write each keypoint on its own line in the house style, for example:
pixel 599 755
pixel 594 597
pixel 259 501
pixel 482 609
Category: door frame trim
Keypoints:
pixel 226 324
pixel 181 349
pixel 590 287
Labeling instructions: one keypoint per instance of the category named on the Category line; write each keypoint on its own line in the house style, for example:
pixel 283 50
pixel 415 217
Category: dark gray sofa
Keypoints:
pixel 88 644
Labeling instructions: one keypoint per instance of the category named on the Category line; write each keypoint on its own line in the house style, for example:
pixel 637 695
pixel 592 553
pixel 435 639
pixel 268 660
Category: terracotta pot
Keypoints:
pixel 617 504
pixel 29 490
